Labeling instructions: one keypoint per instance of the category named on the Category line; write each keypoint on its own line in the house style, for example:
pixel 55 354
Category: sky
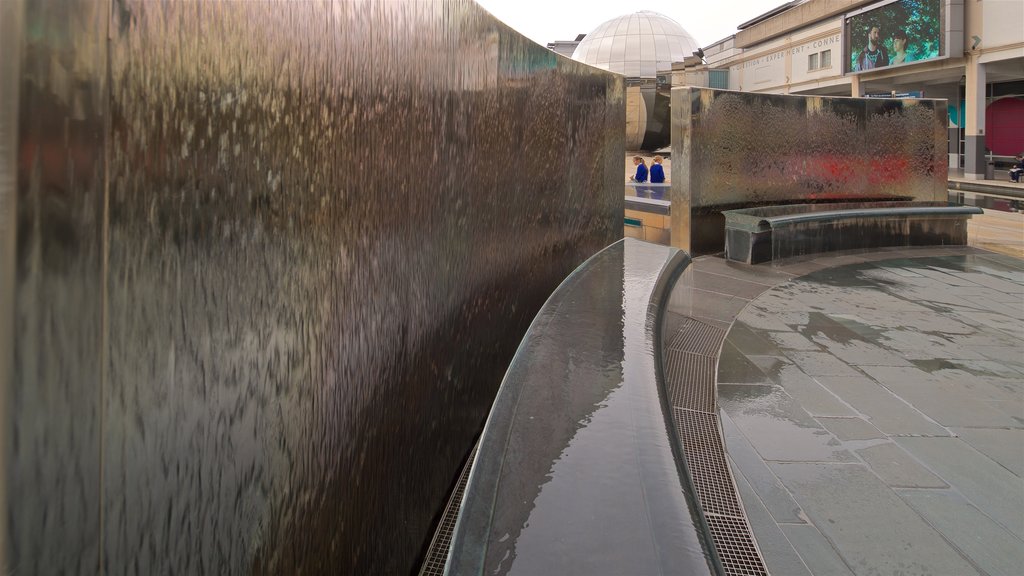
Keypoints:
pixel 545 21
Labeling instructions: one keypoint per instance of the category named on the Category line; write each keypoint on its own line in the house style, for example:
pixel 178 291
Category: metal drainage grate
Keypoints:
pixel 705 455
pixel 690 380
pixel 437 554
pixel 691 359
pixel 735 547
pixel 698 338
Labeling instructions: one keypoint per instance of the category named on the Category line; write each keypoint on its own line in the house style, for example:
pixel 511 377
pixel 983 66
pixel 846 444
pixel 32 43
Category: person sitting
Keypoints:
pixel 657 172
pixel 641 170
pixel 1017 169
pixel 657 177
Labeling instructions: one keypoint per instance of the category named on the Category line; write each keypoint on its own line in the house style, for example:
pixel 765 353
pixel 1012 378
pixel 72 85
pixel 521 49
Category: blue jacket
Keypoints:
pixel 641 173
pixel 657 174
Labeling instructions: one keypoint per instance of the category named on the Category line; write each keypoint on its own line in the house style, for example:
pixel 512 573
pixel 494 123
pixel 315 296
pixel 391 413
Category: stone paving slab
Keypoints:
pixel 874 531
pixel 887 433
pixel 777 427
pixel 747 462
pixel 817 553
pixel 987 544
pixel 813 397
pixel 897 468
pixel 991 488
pixel 1006 447
pixel 948 402
pixel 883 409
pixel 779 555
pixel 851 428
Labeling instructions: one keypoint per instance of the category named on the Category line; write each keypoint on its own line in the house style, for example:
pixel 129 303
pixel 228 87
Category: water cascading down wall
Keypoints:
pixel 263 267
pixel 742 149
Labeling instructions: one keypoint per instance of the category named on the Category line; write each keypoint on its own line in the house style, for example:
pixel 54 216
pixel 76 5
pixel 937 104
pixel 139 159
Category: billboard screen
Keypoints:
pixel 894 34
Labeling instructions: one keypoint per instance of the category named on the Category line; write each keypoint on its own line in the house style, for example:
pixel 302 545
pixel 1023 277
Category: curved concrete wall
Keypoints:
pixel 266 264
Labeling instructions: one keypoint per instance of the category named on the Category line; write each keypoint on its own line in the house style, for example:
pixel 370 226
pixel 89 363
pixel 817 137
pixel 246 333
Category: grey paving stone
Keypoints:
pixel 762 480
pixel 779 555
pixel 992 261
pixel 858 352
pixel 995 320
pixel 872 529
pixel 990 281
pixel 947 402
pixel 800 268
pixel 1004 446
pixel 1011 409
pixel 850 428
pixel 944 276
pixel 1005 354
pixel 985 543
pixel 858 326
pixel 844 259
pixel 881 407
pixel 991 488
pixel 767 275
pixel 771 365
pixel 717 306
pixel 792 341
pixel 916 345
pixel 793 319
pixel 758 318
pixel 713 282
pixel 751 342
pixel 723 324
pixel 970 294
pixel 820 325
pixel 953 369
pixel 735 368
pixel 815 550
pixel 896 468
pixel 812 396
pixel 777 427
pixel 820 364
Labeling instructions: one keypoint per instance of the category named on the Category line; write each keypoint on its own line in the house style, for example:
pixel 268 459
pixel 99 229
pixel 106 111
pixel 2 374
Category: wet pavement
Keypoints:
pixel 872 407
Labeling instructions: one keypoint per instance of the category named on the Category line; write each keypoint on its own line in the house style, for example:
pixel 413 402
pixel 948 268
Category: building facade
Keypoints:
pixel 969 52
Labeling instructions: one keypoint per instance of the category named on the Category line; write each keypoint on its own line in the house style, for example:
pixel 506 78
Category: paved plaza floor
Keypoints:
pixel 872 407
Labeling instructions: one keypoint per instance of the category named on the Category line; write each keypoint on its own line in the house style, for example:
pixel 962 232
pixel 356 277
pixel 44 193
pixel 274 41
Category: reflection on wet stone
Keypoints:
pixel 262 252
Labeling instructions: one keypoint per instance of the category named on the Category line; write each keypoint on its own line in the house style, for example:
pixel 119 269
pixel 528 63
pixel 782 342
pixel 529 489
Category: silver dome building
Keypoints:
pixel 638 46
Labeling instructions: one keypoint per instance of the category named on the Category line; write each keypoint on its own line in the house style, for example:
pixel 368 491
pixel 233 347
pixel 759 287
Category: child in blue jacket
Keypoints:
pixel 641 170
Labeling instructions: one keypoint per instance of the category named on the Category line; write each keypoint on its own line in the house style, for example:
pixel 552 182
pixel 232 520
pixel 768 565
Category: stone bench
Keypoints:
pixel 756 235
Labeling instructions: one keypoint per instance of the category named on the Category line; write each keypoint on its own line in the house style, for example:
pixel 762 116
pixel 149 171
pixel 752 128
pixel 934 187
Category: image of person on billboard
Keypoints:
pixel 874 55
pixel 899 48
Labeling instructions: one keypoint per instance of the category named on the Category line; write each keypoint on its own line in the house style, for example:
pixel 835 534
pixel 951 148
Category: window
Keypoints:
pixel 718 79
pixel 819 60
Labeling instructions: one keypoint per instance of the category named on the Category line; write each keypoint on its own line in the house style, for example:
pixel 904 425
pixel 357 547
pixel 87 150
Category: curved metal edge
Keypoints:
pixel 871 213
pixel 663 289
pixel 11 25
pixel 472 533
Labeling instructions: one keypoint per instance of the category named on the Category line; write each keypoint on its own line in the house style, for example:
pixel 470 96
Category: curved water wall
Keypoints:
pixel 740 149
pixel 264 265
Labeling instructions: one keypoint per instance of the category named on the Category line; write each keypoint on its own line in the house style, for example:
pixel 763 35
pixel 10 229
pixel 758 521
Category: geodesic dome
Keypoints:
pixel 636 45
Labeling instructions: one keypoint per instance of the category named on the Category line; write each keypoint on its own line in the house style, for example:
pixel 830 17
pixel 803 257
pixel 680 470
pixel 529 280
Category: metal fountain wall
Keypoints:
pixel 263 266
pixel 739 149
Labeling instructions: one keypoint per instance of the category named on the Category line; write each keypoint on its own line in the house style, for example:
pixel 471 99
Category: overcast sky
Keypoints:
pixel 545 21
